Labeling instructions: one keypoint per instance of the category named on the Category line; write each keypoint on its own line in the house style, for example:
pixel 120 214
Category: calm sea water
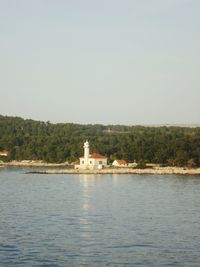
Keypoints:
pixel 102 220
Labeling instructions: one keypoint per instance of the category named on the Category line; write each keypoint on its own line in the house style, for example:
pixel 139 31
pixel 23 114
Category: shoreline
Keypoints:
pixel 157 170
pixel 124 170
pixel 32 163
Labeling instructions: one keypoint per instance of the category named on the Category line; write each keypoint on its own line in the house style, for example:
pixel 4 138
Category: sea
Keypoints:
pixel 98 220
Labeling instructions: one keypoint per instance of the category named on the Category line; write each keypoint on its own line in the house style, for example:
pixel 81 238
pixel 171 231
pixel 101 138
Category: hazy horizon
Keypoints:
pixel 107 62
pixel 191 125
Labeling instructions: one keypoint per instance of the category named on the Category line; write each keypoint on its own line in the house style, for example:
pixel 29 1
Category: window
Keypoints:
pixel 82 161
pixel 100 162
pixel 90 162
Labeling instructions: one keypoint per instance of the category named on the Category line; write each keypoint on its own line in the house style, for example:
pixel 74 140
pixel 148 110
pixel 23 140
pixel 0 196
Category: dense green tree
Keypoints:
pixel 29 139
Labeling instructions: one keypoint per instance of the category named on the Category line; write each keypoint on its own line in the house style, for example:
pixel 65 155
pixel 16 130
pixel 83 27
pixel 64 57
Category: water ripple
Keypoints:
pixel 132 220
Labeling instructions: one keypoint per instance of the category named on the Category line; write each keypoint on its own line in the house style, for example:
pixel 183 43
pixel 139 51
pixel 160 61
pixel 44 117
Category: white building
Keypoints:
pixel 119 163
pixel 4 153
pixel 91 161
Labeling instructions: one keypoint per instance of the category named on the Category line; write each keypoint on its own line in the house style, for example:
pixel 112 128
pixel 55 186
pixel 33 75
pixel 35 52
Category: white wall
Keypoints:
pixel 93 163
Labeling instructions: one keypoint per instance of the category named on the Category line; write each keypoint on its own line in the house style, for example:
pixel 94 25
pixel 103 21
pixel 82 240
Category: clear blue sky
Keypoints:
pixel 101 61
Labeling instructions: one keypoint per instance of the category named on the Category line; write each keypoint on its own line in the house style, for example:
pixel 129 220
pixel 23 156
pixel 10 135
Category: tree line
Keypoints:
pixel 61 142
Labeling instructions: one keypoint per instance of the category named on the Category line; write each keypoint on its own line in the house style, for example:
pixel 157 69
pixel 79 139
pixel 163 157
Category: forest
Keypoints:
pixel 26 139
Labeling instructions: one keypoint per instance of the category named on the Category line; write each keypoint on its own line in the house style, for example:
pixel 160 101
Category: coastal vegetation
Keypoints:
pixel 61 142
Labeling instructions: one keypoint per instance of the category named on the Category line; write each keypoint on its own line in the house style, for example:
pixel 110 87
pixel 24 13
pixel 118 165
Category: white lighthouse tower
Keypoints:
pixel 86 152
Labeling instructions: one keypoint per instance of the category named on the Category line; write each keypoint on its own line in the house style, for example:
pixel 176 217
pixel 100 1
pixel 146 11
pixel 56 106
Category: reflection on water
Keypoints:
pixel 108 220
pixel 86 182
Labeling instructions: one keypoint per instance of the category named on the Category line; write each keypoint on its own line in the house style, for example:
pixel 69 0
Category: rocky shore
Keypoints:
pixel 125 170
pixel 156 170
pixel 32 163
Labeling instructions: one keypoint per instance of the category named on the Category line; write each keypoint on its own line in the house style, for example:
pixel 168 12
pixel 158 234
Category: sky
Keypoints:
pixel 101 61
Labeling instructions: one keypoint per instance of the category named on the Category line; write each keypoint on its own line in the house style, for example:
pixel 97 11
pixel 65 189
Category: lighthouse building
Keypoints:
pixel 91 161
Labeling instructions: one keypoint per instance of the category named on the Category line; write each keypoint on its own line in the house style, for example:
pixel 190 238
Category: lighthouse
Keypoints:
pixel 86 151
pixel 93 161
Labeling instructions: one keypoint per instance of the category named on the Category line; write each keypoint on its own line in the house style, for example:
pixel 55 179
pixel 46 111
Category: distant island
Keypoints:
pixel 62 143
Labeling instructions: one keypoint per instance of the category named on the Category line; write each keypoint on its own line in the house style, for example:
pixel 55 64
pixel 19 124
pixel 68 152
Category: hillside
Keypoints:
pixel 36 140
